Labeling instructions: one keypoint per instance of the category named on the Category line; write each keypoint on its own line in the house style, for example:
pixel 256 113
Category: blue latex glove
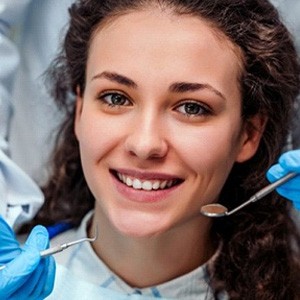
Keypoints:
pixel 26 275
pixel 288 162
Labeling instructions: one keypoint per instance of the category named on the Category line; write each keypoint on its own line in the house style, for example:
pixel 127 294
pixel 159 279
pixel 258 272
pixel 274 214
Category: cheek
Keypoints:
pixel 98 136
pixel 208 148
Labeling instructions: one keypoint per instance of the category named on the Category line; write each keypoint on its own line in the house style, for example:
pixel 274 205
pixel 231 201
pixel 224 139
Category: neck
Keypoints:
pixel 149 261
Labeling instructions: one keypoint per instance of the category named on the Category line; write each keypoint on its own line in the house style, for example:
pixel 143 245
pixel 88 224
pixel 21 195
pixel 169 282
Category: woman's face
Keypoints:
pixel 159 123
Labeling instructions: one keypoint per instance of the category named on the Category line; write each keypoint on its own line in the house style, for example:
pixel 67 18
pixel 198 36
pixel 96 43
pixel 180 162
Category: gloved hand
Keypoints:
pixel 26 275
pixel 288 162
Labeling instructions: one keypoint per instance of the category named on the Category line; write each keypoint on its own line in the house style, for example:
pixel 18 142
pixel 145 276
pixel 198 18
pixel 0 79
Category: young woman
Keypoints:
pixel 171 105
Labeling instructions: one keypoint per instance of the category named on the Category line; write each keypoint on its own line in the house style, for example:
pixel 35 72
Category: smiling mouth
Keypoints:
pixel 146 185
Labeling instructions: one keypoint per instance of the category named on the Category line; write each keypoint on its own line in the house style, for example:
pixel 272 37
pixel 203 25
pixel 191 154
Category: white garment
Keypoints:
pixel 20 196
pixel 29 35
pixel 30 32
pixel 36 116
pixel 83 263
pixel 69 286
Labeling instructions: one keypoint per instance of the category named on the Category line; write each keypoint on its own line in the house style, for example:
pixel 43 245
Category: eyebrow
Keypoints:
pixel 116 78
pixel 183 87
pixel 176 87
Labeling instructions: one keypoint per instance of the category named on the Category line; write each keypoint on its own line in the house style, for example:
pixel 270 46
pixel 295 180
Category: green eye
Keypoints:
pixel 192 109
pixel 115 99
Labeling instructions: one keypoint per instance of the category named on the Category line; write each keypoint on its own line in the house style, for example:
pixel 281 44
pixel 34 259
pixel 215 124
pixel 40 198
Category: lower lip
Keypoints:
pixel 143 196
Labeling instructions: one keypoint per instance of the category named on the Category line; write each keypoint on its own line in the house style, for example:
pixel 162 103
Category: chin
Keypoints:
pixel 140 226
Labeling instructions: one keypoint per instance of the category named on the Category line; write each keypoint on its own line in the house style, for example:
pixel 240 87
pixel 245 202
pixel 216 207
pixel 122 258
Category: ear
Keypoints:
pixel 250 137
pixel 78 111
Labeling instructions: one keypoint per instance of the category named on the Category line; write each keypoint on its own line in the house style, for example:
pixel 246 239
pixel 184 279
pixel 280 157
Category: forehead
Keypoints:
pixel 142 23
pixel 155 39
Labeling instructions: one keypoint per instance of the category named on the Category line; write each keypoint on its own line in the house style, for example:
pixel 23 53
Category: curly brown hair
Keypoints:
pixel 259 258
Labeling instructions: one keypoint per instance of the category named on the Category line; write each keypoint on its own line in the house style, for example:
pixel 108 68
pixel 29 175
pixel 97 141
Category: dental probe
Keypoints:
pixel 62 247
pixel 219 210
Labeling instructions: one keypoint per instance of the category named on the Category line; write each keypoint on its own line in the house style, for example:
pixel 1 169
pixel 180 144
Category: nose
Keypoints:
pixel 146 139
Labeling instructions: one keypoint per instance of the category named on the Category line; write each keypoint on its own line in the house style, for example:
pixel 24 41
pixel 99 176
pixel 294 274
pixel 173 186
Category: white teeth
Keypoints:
pixel 136 184
pixel 155 185
pixel 146 185
pixel 128 181
pixel 163 184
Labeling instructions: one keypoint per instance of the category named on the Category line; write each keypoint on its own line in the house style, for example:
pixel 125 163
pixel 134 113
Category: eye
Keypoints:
pixel 193 109
pixel 114 99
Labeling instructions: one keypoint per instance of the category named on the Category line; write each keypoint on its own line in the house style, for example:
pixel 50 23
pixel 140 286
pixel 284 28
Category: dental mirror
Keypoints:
pixel 215 210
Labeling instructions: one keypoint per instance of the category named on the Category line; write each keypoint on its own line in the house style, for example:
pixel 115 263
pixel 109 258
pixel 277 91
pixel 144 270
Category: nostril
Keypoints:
pixel 146 146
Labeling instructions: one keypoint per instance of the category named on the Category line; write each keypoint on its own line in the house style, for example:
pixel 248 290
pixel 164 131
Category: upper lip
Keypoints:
pixel 146 175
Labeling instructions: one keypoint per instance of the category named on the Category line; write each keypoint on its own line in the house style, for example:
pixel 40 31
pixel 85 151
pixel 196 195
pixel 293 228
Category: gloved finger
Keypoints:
pixel 45 283
pixel 297 205
pixel 290 189
pixel 45 271
pixel 39 284
pixel 34 283
pixel 17 272
pixel 9 246
pixel 38 239
pixel 37 280
pixel 28 260
pixel 292 195
pixel 50 278
pixel 277 171
pixel 290 161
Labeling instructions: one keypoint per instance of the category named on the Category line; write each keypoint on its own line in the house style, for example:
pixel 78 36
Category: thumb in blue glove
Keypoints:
pixel 27 275
pixel 9 248
pixel 288 162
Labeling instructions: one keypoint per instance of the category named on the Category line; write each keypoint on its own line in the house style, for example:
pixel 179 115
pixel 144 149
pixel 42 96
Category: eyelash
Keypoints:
pixel 103 97
pixel 201 109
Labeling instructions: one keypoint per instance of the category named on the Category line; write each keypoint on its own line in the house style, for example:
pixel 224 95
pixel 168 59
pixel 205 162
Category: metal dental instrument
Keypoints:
pixel 62 247
pixel 218 210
